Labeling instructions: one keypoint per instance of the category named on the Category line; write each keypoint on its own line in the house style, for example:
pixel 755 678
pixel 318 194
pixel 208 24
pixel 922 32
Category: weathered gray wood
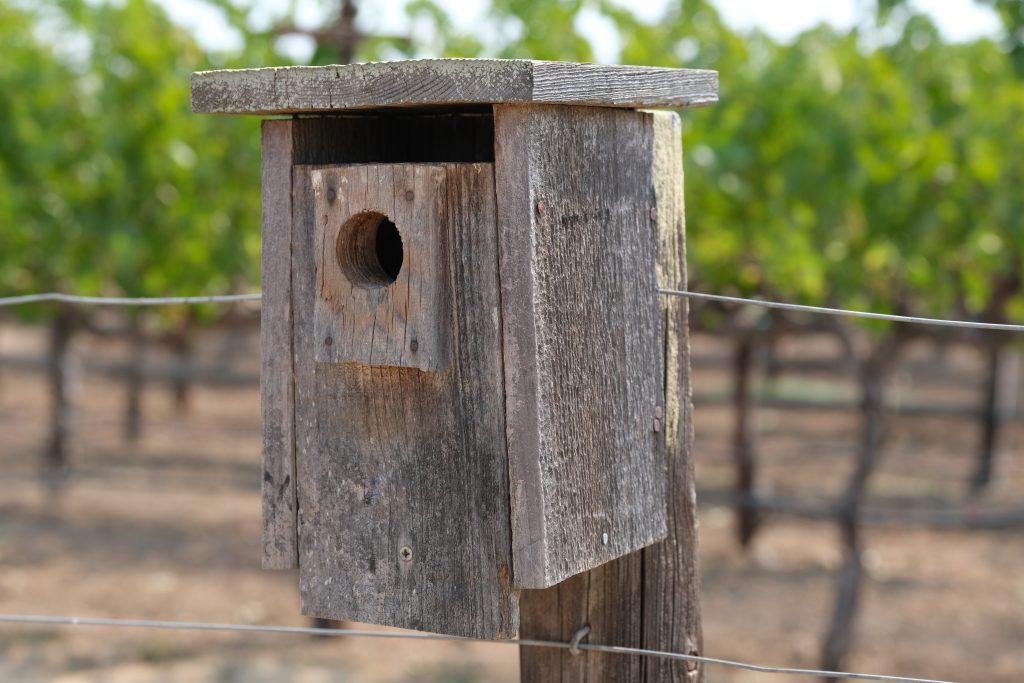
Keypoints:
pixel 610 600
pixel 403 498
pixel 280 546
pixel 579 240
pixel 358 317
pixel 647 598
pixel 671 576
pixel 443 82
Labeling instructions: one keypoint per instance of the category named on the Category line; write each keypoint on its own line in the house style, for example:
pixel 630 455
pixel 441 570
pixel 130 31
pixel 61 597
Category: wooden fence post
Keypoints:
pixel 475 400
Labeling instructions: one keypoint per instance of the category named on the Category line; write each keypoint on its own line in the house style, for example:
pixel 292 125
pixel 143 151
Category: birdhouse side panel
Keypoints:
pixel 277 398
pixel 582 335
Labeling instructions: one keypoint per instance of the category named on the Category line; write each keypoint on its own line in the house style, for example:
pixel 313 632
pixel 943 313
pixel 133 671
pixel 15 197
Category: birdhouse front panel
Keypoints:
pixel 402 470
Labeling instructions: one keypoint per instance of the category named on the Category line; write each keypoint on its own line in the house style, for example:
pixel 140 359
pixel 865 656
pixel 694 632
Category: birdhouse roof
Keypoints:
pixel 432 83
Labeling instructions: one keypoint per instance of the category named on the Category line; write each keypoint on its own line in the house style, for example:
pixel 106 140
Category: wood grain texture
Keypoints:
pixel 647 598
pixel 406 323
pixel 403 497
pixel 582 331
pixel 279 540
pixel 671 591
pixel 439 82
pixel 610 600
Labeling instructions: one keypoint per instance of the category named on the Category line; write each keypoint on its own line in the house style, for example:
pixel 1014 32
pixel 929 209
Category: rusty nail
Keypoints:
pixel 405 553
pixel 657 425
pixel 328 341
pixel 414 345
pixel 409 194
pixel 541 208
pixel 654 214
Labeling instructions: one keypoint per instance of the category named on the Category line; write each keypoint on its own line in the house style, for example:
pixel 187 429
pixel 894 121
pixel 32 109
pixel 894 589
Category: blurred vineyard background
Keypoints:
pixel 877 168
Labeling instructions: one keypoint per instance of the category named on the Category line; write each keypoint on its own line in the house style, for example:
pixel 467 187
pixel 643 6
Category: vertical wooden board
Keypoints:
pixel 276 375
pixel 671 595
pixel 582 336
pixel 649 598
pixel 403 497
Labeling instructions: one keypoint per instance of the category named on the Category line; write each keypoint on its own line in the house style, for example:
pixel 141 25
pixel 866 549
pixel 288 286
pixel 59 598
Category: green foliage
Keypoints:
pixel 875 171
pixel 110 184
pixel 872 178
pixel 876 168
pixel 1010 13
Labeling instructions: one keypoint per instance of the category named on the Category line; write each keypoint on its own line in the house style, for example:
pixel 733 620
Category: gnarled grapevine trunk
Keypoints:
pixel 990 417
pixel 874 371
pixel 63 371
pixel 181 346
pixel 744 438
pixel 135 381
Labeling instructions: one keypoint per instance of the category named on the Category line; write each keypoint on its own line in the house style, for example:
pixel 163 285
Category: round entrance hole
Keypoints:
pixel 369 250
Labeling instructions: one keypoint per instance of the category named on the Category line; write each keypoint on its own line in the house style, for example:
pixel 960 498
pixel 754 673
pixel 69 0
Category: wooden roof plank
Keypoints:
pixel 447 82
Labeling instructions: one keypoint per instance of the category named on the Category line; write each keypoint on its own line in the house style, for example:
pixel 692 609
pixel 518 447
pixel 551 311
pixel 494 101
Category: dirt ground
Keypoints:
pixel 168 528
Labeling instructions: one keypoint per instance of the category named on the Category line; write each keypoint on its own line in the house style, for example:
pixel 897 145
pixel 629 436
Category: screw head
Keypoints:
pixel 414 345
pixel 409 195
pixel 541 208
pixel 328 341
pixel 405 553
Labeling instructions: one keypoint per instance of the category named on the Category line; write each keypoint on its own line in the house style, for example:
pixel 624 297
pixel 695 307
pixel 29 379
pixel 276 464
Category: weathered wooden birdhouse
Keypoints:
pixel 464 348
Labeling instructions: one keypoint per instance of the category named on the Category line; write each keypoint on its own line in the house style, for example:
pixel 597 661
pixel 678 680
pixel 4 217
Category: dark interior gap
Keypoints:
pixel 389 249
pixel 396 136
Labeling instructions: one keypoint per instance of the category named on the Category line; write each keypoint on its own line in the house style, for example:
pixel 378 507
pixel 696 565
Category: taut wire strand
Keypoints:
pixel 300 630
pixel 844 312
pixel 226 298
pixel 125 300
